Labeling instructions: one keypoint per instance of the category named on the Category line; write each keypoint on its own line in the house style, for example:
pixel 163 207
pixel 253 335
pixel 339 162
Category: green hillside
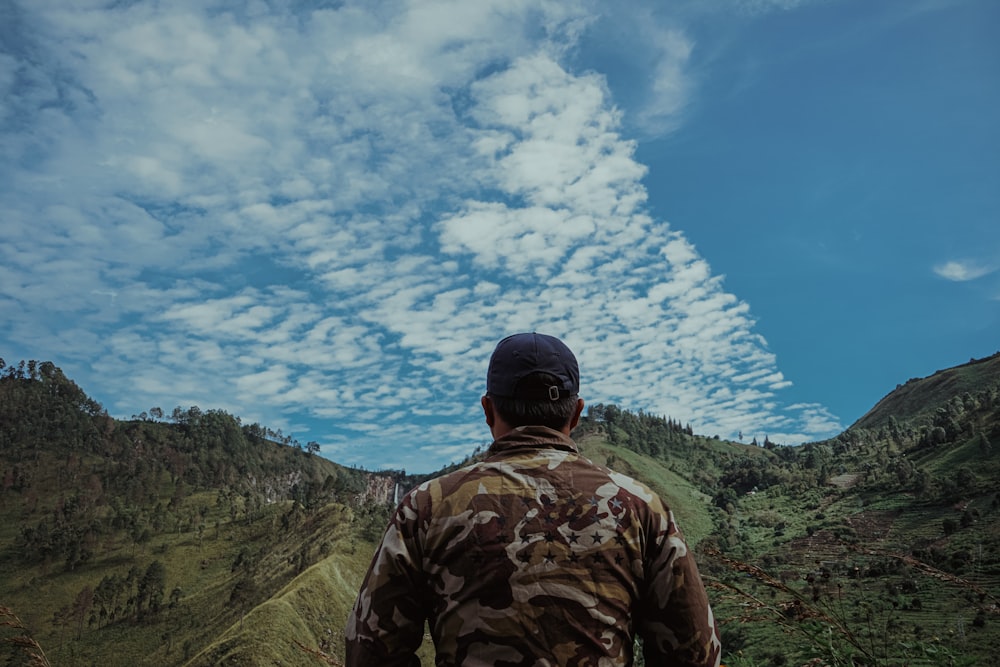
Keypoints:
pixel 197 540
pixel 140 542
pixel 891 555
pixel 309 612
pixel 920 396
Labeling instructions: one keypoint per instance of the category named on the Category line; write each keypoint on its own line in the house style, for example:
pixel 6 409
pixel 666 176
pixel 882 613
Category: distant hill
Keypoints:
pixel 919 396
pixel 194 539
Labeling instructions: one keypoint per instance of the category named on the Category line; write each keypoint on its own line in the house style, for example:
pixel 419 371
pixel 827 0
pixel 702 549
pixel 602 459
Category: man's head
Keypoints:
pixel 533 380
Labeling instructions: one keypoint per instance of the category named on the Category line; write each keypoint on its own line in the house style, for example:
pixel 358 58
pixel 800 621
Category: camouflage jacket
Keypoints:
pixel 535 556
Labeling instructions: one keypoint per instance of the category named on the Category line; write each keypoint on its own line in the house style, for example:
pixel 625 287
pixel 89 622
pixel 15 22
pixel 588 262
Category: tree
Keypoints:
pixel 81 605
pixel 984 445
pixel 178 415
pixel 965 479
pixel 106 597
pixel 150 591
pixel 243 594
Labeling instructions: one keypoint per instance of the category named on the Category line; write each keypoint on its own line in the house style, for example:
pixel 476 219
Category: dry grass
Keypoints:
pixel 21 641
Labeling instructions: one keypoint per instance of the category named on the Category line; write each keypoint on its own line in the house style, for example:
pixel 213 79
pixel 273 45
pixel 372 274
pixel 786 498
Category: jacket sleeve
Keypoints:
pixel 675 619
pixel 386 625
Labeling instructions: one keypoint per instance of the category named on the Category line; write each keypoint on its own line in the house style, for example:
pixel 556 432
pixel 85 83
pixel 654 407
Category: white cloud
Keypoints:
pixel 963 270
pixel 326 220
pixel 670 84
pixel 764 6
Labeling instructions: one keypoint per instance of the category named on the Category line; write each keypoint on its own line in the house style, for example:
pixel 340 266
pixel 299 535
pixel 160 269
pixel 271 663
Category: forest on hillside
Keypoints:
pixel 102 517
pixel 880 546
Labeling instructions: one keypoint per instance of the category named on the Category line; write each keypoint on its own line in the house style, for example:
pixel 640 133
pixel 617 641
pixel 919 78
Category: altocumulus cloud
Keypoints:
pixel 324 218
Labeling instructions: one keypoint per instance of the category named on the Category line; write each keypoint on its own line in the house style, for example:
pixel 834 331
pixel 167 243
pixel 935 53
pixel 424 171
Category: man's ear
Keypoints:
pixel 488 410
pixel 576 415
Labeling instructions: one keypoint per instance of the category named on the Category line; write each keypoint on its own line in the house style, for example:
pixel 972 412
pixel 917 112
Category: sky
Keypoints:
pixel 753 216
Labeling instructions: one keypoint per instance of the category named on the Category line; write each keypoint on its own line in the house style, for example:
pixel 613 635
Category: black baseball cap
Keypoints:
pixel 527 354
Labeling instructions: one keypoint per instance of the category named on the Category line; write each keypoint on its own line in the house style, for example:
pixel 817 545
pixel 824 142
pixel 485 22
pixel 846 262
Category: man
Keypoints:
pixel 534 556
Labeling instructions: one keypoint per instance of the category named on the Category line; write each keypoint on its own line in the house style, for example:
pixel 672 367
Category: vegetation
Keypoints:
pixel 878 547
pixel 191 538
pixel 155 535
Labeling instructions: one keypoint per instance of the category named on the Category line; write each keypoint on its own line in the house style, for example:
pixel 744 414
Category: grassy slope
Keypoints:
pixel 309 610
pixel 921 395
pixel 200 566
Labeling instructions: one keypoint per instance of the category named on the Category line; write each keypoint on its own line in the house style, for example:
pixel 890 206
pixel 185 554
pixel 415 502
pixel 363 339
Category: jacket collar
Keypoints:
pixel 533 437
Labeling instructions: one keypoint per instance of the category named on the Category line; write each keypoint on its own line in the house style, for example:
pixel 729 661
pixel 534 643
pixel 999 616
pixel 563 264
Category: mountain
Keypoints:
pixel 919 396
pixel 195 539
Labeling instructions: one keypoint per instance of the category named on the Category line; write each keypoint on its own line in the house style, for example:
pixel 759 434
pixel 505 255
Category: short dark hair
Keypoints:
pixel 532 412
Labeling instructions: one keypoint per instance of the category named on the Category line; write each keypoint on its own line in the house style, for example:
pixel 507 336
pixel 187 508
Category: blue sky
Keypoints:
pixel 753 216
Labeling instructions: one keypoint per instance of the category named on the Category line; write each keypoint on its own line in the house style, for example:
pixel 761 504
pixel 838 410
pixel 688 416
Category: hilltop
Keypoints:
pixel 920 396
pixel 196 539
